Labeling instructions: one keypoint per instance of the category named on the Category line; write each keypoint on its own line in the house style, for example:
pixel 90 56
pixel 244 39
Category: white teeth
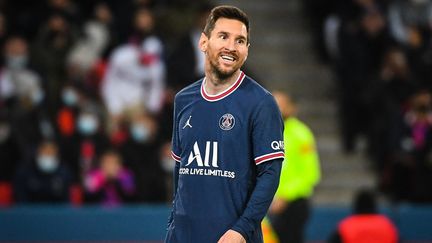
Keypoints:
pixel 228 58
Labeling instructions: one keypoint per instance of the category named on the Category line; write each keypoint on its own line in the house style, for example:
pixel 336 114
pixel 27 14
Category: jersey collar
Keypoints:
pixel 224 93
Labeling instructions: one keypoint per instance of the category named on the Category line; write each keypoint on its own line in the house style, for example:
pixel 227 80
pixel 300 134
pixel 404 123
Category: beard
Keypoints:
pixel 216 69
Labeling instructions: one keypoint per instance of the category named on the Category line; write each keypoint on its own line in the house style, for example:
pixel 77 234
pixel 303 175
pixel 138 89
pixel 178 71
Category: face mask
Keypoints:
pixel 140 132
pixel 87 124
pixel 168 164
pixel 16 62
pixel 37 96
pixel 4 132
pixel 69 97
pixel 47 163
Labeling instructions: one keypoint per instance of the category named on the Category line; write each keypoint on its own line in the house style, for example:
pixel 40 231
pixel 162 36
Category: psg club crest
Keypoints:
pixel 227 122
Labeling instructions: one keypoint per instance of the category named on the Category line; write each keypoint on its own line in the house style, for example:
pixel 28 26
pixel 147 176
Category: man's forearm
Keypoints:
pixel 261 198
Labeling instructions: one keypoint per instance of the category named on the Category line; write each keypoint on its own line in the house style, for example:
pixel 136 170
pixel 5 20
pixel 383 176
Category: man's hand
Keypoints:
pixel 278 206
pixel 232 236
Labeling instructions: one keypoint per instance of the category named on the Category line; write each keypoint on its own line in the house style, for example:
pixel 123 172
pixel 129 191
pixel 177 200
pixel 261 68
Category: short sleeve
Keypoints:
pixel 175 150
pixel 267 133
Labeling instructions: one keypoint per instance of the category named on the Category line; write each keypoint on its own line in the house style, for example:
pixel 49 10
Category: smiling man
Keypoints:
pixel 227 170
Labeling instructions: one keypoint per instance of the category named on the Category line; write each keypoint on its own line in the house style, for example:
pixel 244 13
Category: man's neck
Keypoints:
pixel 214 85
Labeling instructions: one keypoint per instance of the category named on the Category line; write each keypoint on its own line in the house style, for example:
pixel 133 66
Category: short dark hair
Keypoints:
pixel 229 12
pixel 365 202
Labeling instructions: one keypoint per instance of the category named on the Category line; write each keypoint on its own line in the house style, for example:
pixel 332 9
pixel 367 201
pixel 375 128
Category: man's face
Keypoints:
pixel 227 47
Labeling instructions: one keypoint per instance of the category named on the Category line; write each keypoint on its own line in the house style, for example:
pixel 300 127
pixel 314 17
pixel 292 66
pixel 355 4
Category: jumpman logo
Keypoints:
pixel 188 123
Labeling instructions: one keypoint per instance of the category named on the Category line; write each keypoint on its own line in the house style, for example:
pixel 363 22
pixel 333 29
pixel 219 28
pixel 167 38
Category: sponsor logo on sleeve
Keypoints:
pixel 277 145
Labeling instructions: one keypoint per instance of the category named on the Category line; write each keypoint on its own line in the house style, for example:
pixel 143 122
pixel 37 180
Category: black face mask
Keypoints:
pixel 423 108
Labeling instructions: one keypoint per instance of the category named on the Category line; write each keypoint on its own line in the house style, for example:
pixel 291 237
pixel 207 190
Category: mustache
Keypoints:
pixel 229 53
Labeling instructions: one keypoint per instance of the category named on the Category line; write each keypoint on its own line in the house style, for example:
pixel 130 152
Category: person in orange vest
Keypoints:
pixel 269 235
pixel 366 225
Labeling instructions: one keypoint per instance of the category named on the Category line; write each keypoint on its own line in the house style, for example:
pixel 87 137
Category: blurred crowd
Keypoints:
pixel 381 55
pixel 86 93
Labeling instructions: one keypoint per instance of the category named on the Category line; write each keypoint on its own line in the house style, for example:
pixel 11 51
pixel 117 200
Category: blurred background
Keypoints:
pixel 86 94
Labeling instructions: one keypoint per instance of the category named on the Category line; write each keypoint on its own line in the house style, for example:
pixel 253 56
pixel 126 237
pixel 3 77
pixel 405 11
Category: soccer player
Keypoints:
pixel 227 142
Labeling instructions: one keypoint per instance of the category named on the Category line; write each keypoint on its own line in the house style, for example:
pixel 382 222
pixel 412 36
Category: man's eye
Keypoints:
pixel 241 41
pixel 223 37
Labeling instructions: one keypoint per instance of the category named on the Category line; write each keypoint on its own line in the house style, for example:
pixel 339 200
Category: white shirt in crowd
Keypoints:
pixel 135 77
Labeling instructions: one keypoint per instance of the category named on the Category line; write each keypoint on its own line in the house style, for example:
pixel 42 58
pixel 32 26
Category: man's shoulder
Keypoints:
pixel 189 91
pixel 256 90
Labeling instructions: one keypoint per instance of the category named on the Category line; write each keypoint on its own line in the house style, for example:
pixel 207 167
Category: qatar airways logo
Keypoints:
pixel 277 145
pixel 207 166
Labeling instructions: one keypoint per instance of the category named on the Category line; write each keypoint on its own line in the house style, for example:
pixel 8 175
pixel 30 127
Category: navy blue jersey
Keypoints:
pixel 223 145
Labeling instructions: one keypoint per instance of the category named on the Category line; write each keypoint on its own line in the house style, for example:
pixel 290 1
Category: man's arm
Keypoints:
pixel 175 183
pixel 267 129
pixel 266 185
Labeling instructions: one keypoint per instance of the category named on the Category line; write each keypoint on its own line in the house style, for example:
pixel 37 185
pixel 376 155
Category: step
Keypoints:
pixel 331 197
pixel 328 143
pixel 344 183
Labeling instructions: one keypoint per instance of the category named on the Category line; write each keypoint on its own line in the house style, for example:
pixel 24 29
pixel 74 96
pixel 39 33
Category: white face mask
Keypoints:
pixel 47 163
pixel 16 62
pixel 69 97
pixel 88 124
pixel 37 96
pixel 140 132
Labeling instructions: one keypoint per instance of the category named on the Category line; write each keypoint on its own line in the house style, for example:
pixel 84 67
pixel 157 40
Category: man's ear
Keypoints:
pixel 203 42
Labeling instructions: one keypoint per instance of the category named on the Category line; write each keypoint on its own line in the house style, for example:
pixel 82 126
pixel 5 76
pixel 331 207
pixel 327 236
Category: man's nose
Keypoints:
pixel 230 45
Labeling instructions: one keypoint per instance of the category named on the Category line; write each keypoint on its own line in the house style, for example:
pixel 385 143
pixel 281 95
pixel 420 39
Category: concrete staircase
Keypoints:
pixel 282 57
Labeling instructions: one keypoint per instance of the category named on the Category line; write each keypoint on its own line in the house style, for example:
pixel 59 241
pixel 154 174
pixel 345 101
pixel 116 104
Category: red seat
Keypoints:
pixel 6 198
pixel 76 195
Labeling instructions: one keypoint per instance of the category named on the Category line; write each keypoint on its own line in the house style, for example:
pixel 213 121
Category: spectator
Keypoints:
pixel 23 97
pixel 135 77
pixel 45 179
pixel 49 53
pixel 82 149
pixel 393 88
pixel 110 183
pixel 67 8
pixel 141 154
pixel 361 45
pixel 407 19
pixel 17 80
pixel 97 36
pixel 290 208
pixel 68 111
pixel 9 149
pixel 186 63
pixel 408 170
pixel 409 23
pixel 366 224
